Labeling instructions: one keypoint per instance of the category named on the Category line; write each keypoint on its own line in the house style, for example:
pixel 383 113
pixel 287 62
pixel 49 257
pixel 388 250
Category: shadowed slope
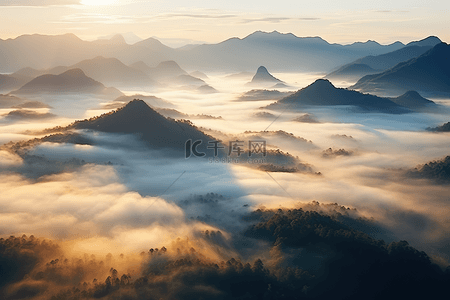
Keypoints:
pixel 323 93
pixel 138 118
pixel 429 73
pixel 263 76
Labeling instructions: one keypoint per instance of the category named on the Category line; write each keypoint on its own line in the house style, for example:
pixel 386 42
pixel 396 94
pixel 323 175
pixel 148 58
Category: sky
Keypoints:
pixel 179 22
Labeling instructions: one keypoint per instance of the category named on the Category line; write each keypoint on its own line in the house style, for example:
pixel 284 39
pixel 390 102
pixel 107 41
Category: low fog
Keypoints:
pixel 115 194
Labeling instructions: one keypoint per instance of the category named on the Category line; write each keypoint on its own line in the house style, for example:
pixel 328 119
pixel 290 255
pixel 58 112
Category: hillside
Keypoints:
pixel 73 81
pixel 428 74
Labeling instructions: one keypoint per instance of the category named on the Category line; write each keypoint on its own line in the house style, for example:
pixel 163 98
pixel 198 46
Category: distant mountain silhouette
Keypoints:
pixel 263 77
pixel 324 93
pixel 168 72
pixel 154 44
pixel 141 66
pixel 48 51
pixel 129 37
pixel 116 39
pixel 166 69
pixel 377 63
pixel 241 76
pixel 138 118
pixel 200 75
pixel 110 71
pixel 428 74
pixel 280 52
pixel 352 72
pixel 187 80
pixel 10 82
pixel 71 81
pixel 28 72
pixel 206 89
pixel 281 85
pixel 414 101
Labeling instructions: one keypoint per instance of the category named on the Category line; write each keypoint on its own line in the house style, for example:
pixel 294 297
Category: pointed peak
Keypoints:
pixel 263 75
pixel 262 69
pixel 136 104
pixel 322 83
pixel 135 108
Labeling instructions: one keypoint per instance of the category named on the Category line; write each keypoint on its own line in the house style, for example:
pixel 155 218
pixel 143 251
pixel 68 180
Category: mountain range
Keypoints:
pixel 428 74
pixel 377 63
pixel 323 93
pixel 110 71
pixel 277 51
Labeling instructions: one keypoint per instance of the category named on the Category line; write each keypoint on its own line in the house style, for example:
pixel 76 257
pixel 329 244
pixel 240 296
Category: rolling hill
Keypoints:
pixel 73 81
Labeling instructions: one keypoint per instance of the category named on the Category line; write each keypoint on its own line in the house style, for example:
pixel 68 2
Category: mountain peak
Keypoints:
pixel 413 100
pixel 262 69
pixel 73 73
pixel 413 94
pixel 136 104
pixel 440 50
pixel 118 39
pixel 322 83
pixel 168 64
pixel 136 117
pixel 428 41
pixel 274 34
pixel 263 75
pixel 138 110
pixel 152 43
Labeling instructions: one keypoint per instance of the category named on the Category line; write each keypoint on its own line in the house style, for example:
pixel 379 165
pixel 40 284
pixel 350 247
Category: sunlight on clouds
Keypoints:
pixel 9 159
pixel 98 2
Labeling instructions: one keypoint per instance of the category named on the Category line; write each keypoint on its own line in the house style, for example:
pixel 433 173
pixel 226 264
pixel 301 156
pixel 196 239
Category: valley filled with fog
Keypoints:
pixel 99 166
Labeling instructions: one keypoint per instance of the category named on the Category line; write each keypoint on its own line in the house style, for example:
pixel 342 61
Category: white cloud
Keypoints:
pixel 38 2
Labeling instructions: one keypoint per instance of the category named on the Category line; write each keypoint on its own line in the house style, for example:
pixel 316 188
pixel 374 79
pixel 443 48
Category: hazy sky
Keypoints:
pixel 342 21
